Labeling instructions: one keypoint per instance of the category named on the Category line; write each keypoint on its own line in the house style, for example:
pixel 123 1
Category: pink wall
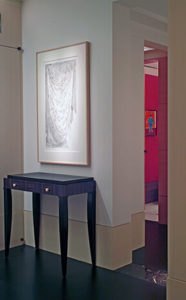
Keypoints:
pixel 163 139
pixel 151 142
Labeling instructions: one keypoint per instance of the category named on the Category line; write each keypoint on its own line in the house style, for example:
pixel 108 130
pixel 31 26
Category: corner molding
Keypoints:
pixel 147 18
pixel 150 15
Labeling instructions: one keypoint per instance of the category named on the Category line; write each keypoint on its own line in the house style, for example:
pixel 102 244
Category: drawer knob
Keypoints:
pixel 47 189
pixel 14 184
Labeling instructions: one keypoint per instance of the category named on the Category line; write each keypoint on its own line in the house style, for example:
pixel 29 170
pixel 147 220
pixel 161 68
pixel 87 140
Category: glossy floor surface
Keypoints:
pixel 155 245
pixel 150 262
pixel 31 275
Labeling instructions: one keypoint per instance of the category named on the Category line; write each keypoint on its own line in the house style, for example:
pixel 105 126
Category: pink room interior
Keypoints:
pixel 155 79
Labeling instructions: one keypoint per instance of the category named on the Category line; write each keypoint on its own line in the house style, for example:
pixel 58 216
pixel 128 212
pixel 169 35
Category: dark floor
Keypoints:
pixel 30 275
pixel 150 262
pixel 155 245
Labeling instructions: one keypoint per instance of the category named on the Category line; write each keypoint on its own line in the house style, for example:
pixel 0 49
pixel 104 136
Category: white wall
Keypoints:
pixel 48 24
pixel 56 24
pixel 11 147
pixel 176 284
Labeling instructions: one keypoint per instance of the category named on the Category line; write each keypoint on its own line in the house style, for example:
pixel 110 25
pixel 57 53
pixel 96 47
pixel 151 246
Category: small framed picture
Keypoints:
pixel 150 122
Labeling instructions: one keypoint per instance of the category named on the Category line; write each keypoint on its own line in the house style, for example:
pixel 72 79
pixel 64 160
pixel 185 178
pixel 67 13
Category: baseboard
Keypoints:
pixel 176 289
pixel 138 256
pixel 113 244
pixel 138 230
pixel 17 234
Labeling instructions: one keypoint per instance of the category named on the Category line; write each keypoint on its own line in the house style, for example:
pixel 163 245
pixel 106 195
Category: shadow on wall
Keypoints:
pixel 77 207
pixel 101 211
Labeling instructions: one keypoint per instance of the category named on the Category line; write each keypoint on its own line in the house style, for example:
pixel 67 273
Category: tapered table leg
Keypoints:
pixel 36 217
pixel 7 218
pixel 63 231
pixel 91 214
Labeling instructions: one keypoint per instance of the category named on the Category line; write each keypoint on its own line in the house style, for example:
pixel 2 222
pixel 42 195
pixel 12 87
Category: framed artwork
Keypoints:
pixel 150 122
pixel 63 105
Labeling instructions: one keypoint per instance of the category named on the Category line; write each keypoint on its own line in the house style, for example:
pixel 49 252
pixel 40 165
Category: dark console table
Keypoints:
pixel 57 185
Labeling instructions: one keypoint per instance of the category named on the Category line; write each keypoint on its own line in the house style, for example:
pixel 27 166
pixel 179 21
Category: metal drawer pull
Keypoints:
pixel 47 189
pixel 14 184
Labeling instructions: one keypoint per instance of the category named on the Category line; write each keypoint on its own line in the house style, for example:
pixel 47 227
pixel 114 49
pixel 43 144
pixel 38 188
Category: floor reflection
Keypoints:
pixel 150 262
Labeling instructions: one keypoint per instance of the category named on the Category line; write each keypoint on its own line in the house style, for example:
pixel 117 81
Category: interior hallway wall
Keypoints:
pixel 117 169
pixel 177 151
pixel 58 23
pixel 11 146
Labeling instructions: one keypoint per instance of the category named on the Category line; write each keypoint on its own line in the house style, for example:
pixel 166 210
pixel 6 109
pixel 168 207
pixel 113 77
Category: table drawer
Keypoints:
pixel 47 189
pixel 17 185
pixel 31 186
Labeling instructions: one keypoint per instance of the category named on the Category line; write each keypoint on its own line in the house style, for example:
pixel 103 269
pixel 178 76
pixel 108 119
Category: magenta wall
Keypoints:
pixel 151 142
pixel 163 139
pixel 156 167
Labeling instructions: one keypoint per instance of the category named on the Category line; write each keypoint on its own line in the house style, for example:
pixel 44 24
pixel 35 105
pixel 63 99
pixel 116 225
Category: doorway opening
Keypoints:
pixel 156 153
pixel 156 132
pixel 150 262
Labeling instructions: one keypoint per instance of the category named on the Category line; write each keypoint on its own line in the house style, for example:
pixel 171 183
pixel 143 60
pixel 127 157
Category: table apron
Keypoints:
pixel 61 190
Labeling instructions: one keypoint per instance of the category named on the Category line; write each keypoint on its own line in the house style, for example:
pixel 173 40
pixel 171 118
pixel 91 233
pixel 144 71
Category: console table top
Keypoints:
pixel 51 177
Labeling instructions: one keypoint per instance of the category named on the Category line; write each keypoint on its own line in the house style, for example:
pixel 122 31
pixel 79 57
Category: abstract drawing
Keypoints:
pixel 60 82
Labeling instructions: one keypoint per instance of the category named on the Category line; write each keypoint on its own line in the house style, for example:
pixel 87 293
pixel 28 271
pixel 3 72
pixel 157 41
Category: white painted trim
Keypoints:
pixel 151 15
pixel 149 21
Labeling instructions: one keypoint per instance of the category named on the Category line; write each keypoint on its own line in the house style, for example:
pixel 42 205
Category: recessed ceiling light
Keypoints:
pixel 148 49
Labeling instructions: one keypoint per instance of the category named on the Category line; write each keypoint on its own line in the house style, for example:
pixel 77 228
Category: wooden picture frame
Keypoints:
pixel 63 105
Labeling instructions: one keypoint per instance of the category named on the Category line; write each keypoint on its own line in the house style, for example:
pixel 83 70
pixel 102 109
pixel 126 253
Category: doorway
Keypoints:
pixel 156 132
pixel 156 152
pixel 150 262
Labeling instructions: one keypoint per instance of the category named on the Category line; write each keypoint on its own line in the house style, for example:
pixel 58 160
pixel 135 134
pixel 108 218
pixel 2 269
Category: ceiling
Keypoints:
pixel 159 7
